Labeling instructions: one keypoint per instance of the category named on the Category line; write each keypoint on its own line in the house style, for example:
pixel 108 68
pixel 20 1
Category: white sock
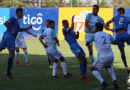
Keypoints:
pixel 16 55
pixel 97 75
pixel 92 58
pixel 63 65
pixel 112 73
pixel 26 55
pixel 54 69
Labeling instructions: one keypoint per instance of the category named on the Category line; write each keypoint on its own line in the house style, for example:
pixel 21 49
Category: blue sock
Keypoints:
pixel 124 59
pixel 82 69
pixel 10 62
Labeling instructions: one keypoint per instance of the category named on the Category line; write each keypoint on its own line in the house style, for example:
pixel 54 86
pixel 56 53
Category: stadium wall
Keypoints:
pixel 37 17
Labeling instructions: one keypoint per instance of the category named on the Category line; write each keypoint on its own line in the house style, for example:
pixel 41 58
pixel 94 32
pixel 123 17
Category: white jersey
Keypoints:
pixel 102 43
pixel 20 37
pixel 49 35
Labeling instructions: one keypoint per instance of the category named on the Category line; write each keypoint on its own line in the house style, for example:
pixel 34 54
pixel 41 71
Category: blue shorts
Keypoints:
pixel 76 49
pixel 122 38
pixel 8 42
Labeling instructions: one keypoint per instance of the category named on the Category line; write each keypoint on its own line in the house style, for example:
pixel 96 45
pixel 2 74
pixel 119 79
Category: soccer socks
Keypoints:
pixel 91 58
pixel 83 69
pixel 124 59
pixel 112 73
pixel 10 63
pixel 63 65
pixel 54 69
pixel 97 75
pixel 26 55
pixel 16 56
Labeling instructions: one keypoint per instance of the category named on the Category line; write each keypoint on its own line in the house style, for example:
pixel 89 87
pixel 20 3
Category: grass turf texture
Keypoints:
pixel 38 75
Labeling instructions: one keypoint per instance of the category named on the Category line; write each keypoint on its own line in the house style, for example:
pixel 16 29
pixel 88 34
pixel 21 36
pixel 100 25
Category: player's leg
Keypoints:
pixel 17 56
pixel 55 64
pixel 26 56
pixel 49 62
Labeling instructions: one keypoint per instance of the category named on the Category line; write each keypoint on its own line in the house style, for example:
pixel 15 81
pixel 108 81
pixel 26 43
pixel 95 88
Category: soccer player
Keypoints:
pixel 50 59
pixel 70 37
pixel 121 25
pixel 20 43
pixel 8 39
pixel 90 22
pixel 105 55
pixel 49 43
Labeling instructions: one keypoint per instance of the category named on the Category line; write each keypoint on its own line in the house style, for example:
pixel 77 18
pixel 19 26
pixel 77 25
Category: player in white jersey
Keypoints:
pixel 20 43
pixel 49 43
pixel 105 55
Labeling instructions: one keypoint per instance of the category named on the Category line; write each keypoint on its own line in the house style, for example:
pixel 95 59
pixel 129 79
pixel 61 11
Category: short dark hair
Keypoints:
pixel 121 9
pixel 64 21
pixel 19 10
pixel 47 20
pixel 51 22
pixel 99 26
pixel 95 5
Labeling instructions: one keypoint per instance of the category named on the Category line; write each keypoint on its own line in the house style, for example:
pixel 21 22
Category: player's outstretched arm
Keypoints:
pixel 72 24
pixel 9 27
pixel 108 25
pixel 24 29
pixel 42 42
pixel 31 33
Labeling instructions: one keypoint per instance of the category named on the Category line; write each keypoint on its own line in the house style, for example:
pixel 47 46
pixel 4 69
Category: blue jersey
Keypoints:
pixel 70 36
pixel 92 20
pixel 121 22
pixel 14 23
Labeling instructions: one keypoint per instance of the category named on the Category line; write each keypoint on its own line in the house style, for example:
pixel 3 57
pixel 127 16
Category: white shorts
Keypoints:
pixel 87 36
pixel 103 62
pixel 20 44
pixel 55 54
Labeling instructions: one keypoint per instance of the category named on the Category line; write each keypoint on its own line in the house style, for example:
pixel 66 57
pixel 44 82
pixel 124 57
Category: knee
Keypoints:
pixel 93 68
pixel 62 59
pixel 56 61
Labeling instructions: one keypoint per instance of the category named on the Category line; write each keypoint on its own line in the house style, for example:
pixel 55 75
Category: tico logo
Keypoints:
pixel 79 21
pixel 36 21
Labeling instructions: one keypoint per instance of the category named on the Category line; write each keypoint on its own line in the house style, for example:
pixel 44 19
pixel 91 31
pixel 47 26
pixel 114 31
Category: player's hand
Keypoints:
pixel 45 46
pixel 73 17
pixel 34 35
pixel 77 32
pixel 30 27
pixel 58 43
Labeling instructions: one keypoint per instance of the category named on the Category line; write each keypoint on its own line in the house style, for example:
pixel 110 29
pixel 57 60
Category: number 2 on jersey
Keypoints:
pixel 104 38
pixel 120 21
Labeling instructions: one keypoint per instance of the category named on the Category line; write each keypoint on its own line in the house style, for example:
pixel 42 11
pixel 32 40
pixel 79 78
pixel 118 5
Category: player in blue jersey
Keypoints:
pixel 8 39
pixel 105 54
pixel 70 37
pixel 121 25
pixel 90 22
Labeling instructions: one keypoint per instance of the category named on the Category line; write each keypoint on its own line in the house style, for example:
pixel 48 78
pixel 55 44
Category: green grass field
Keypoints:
pixel 38 75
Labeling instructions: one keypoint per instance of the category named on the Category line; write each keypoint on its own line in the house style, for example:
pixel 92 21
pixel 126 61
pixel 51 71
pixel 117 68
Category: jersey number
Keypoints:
pixel 120 21
pixel 104 38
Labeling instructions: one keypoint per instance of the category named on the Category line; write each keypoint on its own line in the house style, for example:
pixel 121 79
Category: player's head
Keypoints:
pixel 65 23
pixel 99 27
pixel 121 11
pixel 47 22
pixel 19 12
pixel 95 9
pixel 51 24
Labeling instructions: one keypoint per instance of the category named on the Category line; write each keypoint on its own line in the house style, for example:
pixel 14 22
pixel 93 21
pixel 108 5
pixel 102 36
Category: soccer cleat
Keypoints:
pixel 18 63
pixel 104 85
pixel 55 76
pixel 115 84
pixel 27 64
pixel 67 75
pixel 8 75
pixel 50 66
pixel 84 79
pixel 127 69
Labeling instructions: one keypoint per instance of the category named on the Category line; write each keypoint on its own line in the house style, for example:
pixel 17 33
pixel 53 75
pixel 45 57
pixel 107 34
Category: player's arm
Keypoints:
pixel 31 33
pixel 87 22
pixel 77 35
pixel 91 39
pixel 53 34
pixel 42 42
pixel 57 41
pixel 7 24
pixel 72 24
pixel 113 40
pixel 25 29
